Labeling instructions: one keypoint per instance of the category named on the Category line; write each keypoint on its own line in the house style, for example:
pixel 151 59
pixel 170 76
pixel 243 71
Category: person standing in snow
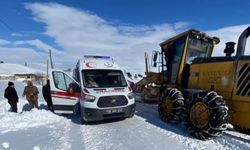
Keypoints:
pixel 11 94
pixel 31 93
pixel 47 96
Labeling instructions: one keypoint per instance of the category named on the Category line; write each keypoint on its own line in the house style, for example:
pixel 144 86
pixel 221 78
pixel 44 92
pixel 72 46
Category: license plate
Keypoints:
pixel 110 111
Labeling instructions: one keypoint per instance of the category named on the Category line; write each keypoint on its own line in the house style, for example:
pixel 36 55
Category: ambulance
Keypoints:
pixel 98 90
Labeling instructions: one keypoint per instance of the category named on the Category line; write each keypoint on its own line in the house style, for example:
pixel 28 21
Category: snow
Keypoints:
pixel 44 130
pixel 5 145
pixel 7 69
pixel 36 148
pixel 15 122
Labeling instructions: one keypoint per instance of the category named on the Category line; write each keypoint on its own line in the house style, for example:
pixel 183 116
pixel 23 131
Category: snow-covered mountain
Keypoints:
pixel 8 69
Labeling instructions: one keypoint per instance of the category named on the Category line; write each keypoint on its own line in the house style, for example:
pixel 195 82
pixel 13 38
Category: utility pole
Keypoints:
pixel 47 69
pixel 51 62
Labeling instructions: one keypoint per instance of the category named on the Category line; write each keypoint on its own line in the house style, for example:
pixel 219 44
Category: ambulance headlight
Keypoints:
pixel 130 95
pixel 89 98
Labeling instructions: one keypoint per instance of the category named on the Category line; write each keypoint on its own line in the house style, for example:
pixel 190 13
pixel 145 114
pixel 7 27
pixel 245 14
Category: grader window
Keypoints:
pixel 177 59
pixel 173 54
pixel 198 48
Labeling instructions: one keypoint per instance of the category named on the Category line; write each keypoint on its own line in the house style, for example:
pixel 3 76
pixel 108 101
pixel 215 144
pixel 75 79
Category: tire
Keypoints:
pixel 207 116
pixel 131 116
pixel 82 120
pixel 77 109
pixel 171 106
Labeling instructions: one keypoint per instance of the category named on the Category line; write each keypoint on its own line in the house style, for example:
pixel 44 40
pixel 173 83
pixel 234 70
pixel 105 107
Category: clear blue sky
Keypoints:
pixel 205 15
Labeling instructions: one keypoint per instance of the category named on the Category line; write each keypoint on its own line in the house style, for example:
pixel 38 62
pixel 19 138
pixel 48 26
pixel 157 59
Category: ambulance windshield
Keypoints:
pixel 103 78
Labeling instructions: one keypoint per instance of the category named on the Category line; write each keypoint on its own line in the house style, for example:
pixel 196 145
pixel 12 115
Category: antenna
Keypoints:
pixel 51 62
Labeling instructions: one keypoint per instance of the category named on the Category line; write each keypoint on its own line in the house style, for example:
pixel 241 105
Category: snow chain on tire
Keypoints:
pixel 171 106
pixel 207 115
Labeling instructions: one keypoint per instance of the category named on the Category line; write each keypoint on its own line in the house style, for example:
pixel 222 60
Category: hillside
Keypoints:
pixel 11 69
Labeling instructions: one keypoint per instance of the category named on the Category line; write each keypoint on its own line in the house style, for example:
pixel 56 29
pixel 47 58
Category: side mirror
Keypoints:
pixel 155 64
pixel 154 58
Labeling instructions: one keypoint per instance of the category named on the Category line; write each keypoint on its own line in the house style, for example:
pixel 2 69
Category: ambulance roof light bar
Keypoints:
pixel 97 57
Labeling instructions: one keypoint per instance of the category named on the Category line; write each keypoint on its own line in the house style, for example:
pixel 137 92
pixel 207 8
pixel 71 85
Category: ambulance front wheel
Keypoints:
pixel 132 115
pixel 82 120
pixel 77 109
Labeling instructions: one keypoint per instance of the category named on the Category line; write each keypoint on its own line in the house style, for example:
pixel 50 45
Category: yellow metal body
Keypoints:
pixel 224 78
pixel 241 103
pixel 218 76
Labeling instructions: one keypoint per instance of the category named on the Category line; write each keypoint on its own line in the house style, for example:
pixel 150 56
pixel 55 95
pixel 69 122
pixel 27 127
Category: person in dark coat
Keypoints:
pixel 47 96
pixel 11 94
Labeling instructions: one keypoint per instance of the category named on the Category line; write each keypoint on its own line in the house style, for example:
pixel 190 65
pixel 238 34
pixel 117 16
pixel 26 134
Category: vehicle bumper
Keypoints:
pixel 90 114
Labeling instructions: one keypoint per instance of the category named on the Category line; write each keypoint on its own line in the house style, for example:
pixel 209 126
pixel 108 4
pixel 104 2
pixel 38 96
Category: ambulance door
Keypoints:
pixel 65 92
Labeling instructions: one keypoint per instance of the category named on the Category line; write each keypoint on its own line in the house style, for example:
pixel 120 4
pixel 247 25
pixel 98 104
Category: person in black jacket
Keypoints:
pixel 11 94
pixel 47 96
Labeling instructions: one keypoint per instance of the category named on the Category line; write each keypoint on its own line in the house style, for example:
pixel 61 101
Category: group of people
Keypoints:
pixel 31 92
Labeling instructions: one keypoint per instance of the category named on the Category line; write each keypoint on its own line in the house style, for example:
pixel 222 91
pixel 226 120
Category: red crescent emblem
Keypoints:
pixel 90 64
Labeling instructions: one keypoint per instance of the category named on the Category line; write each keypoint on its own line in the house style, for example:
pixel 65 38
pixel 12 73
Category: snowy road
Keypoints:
pixel 41 129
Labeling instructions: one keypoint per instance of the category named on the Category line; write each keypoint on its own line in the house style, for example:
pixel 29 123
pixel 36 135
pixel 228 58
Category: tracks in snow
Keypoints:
pixel 229 140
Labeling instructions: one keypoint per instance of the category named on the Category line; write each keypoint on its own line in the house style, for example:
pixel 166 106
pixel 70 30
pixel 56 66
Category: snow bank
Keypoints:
pixel 23 121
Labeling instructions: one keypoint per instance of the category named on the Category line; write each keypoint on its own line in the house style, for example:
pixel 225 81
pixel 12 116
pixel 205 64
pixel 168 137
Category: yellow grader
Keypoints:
pixel 203 91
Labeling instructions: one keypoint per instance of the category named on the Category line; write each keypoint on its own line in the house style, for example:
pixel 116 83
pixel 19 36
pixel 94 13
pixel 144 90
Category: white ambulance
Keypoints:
pixel 98 87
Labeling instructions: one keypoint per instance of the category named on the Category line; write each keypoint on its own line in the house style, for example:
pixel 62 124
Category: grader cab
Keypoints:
pixel 204 91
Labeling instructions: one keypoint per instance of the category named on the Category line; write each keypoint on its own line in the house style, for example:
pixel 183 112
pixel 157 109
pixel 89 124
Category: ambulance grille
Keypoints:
pixel 112 101
pixel 243 84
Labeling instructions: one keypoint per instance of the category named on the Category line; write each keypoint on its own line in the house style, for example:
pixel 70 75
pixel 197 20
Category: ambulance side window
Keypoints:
pixel 59 80
pixel 65 83
pixel 68 81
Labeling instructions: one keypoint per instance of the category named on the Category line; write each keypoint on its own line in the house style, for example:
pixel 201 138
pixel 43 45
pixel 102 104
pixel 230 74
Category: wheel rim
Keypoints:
pixel 199 115
pixel 167 107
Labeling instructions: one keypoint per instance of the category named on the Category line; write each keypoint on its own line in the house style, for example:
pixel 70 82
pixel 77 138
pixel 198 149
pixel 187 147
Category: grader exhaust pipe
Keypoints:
pixel 242 42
